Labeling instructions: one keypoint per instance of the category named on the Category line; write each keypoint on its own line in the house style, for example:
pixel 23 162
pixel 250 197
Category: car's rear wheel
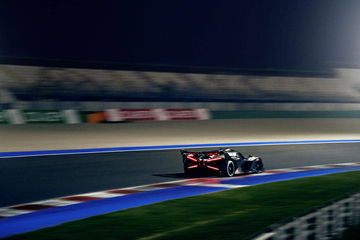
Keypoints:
pixel 228 169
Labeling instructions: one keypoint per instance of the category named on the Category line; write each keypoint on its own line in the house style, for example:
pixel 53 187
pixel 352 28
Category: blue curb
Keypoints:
pixel 161 147
pixel 54 216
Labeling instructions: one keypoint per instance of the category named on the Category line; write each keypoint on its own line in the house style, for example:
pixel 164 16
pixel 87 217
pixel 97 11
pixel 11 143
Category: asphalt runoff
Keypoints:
pixel 79 136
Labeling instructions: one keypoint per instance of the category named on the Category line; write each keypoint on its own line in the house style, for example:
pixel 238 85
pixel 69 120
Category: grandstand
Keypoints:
pixel 42 85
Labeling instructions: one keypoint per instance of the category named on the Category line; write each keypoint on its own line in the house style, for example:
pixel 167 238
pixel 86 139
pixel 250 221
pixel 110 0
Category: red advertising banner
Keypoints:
pixel 182 114
pixel 117 115
pixel 138 114
pixel 158 114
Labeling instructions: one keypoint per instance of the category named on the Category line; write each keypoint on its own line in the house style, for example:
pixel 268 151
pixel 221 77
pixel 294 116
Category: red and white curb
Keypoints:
pixel 208 182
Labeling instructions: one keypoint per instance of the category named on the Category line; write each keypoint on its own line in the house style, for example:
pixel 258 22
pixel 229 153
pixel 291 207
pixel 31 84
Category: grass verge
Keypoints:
pixel 231 214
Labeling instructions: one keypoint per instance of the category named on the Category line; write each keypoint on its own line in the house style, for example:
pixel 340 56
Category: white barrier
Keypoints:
pixel 17 116
pixel 324 223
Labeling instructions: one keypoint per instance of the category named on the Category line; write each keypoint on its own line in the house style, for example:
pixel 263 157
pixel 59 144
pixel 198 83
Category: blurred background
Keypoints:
pixel 259 72
pixel 250 55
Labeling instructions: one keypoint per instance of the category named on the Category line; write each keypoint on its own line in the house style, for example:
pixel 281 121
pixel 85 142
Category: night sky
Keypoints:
pixel 266 34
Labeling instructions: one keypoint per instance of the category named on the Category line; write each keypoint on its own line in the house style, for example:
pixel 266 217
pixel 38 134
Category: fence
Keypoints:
pixel 324 223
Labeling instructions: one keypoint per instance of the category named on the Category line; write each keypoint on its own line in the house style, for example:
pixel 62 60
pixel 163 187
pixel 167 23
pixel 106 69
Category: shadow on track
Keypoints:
pixel 183 175
pixel 171 175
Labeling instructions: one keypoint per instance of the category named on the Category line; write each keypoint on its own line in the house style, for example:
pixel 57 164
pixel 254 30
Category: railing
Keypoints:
pixel 324 223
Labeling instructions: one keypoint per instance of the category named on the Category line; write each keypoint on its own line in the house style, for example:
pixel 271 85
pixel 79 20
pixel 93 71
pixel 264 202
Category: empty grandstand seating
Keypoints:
pixel 29 83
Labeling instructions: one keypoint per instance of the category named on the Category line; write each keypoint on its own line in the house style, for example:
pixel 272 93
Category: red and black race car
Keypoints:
pixel 223 162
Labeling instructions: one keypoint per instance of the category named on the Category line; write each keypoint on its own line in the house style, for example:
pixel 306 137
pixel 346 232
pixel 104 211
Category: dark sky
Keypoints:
pixel 281 34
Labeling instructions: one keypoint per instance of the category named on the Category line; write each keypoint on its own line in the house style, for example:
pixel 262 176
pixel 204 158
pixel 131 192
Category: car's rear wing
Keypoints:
pixel 184 152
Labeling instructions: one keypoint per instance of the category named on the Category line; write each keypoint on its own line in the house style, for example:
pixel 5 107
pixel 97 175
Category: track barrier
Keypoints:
pixel 70 116
pixel 324 223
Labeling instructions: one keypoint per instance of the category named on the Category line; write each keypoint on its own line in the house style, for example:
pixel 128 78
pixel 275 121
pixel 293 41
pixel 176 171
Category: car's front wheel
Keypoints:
pixel 259 166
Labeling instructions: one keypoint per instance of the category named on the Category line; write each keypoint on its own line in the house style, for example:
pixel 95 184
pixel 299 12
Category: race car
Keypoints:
pixel 223 162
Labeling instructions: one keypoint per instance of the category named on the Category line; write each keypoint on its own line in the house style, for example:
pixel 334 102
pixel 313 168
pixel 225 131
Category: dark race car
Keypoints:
pixel 223 162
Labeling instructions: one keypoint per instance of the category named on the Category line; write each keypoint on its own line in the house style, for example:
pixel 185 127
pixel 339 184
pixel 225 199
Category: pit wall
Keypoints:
pixel 284 114
pixel 70 116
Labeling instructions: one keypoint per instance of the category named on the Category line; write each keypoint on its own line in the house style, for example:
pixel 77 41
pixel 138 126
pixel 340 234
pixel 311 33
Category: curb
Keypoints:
pixel 223 183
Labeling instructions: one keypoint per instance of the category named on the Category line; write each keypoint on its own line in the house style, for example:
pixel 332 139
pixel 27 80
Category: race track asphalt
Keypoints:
pixel 31 179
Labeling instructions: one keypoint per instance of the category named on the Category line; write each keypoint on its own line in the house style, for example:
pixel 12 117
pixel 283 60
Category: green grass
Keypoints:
pixel 231 214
